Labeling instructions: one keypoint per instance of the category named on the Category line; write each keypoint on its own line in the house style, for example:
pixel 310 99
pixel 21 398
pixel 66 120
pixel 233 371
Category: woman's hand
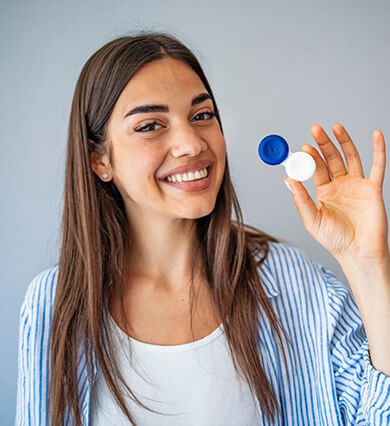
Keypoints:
pixel 350 221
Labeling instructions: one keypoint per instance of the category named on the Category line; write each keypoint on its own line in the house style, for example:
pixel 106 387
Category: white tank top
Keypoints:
pixel 194 382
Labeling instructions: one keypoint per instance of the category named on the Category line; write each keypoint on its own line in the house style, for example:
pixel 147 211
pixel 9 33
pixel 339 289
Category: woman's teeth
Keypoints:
pixel 187 177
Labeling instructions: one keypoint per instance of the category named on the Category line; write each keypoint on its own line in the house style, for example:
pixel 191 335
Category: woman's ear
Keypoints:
pixel 100 164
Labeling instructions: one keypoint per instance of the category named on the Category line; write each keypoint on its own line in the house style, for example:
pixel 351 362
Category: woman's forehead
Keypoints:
pixel 179 87
pixel 164 77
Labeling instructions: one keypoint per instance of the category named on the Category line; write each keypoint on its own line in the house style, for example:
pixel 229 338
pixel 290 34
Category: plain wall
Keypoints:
pixel 274 67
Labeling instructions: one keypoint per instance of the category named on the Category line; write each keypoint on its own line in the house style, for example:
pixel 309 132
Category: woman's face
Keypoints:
pixel 148 145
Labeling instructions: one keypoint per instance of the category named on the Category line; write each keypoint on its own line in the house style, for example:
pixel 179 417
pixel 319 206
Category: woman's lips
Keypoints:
pixel 195 185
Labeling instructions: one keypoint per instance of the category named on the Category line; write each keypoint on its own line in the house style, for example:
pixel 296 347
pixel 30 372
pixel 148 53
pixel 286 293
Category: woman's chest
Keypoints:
pixel 161 318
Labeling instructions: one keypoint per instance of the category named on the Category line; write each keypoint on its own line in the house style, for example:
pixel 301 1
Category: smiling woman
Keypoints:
pixel 148 245
pixel 150 255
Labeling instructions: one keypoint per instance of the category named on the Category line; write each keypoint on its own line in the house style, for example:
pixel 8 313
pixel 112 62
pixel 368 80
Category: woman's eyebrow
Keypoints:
pixel 165 108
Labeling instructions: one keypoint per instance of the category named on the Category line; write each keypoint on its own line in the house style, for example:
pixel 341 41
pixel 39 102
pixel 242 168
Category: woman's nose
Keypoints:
pixel 187 142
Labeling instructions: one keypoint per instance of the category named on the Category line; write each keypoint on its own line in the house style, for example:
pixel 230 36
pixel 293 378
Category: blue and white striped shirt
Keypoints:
pixel 332 381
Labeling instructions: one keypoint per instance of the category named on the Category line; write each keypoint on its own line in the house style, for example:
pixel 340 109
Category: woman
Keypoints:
pixel 207 305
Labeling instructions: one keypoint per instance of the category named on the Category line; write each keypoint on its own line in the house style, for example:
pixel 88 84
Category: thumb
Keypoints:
pixel 303 202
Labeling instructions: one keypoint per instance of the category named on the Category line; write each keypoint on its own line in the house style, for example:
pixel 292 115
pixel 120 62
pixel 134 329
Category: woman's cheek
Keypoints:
pixel 221 148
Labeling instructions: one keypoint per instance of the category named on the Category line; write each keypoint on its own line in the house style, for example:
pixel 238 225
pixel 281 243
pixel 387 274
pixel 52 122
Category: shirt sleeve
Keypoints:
pixel 31 399
pixel 363 392
pixel 23 407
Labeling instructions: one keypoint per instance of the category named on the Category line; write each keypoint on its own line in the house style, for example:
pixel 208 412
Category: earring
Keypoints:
pixel 104 175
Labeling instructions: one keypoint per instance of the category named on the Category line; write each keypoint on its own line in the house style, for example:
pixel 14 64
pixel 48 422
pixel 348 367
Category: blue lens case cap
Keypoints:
pixel 273 149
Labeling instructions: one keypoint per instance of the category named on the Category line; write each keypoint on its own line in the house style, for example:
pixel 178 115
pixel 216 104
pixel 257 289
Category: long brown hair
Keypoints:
pixel 95 239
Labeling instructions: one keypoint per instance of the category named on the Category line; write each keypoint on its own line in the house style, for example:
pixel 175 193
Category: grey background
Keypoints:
pixel 275 67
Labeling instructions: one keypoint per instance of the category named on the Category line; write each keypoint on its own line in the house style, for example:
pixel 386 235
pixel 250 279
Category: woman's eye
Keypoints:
pixel 149 125
pixel 211 114
pixel 142 129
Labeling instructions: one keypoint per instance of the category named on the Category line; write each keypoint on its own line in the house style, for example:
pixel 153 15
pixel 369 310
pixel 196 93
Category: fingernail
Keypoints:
pixel 288 186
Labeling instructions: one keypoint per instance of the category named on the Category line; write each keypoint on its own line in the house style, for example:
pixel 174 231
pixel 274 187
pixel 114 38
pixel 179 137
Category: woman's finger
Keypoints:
pixel 321 175
pixel 377 172
pixel 350 151
pixel 329 150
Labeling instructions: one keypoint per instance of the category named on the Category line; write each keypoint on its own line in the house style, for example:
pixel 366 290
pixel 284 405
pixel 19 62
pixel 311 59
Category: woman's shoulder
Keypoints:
pixel 282 254
pixel 39 296
pixel 287 266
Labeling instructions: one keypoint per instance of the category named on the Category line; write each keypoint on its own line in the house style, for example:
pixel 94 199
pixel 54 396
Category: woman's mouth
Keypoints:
pixel 194 185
